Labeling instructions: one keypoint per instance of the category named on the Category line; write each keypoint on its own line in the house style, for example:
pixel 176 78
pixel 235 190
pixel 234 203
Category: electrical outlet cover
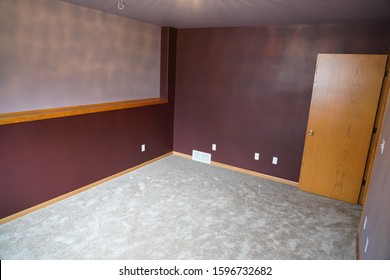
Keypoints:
pixel 382 146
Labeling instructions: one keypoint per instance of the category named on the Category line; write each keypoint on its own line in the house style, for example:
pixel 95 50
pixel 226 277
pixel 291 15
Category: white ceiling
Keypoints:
pixel 224 13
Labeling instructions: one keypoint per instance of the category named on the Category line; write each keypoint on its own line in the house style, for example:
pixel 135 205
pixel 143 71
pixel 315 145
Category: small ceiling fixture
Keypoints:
pixel 121 5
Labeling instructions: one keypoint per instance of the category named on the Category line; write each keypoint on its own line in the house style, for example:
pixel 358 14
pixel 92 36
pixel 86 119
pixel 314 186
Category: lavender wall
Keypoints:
pixel 377 207
pixel 56 54
pixel 248 89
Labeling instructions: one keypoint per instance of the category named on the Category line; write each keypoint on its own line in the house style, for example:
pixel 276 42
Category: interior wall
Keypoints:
pixel 55 54
pixel 377 207
pixel 44 159
pixel 41 160
pixel 248 89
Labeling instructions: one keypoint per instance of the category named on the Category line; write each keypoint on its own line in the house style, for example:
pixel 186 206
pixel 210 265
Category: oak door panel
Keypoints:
pixel 343 107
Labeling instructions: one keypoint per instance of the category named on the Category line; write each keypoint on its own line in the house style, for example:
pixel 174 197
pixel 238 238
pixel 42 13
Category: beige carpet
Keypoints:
pixel 180 209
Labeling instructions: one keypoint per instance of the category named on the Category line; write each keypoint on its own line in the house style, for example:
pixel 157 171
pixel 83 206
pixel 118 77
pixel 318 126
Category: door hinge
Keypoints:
pixel 363 182
pixel 374 130
pixel 386 72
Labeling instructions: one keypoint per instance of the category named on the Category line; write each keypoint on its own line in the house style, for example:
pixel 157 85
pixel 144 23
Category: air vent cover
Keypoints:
pixel 201 156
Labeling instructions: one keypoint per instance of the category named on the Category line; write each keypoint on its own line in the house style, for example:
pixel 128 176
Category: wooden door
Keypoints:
pixel 343 107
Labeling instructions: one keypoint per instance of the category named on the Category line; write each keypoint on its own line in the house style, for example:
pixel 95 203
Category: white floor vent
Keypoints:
pixel 201 156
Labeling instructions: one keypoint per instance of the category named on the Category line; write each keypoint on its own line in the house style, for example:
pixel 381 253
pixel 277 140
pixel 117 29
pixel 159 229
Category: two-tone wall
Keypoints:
pixel 248 90
pixel 245 89
pixel 41 160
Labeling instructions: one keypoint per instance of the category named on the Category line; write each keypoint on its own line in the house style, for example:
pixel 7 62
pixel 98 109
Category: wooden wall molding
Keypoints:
pixel 77 191
pixel 245 171
pixel 35 115
pixel 90 186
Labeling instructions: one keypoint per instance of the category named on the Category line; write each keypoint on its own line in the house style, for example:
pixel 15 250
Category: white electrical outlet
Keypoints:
pixel 382 146
pixel 143 148
pixel 257 156
pixel 214 147
pixel 365 223
pixel 275 160
pixel 365 248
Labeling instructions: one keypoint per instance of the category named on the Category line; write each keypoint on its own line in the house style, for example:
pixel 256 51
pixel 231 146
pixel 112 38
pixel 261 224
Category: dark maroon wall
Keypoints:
pixel 377 207
pixel 41 160
pixel 248 89
pixel 44 159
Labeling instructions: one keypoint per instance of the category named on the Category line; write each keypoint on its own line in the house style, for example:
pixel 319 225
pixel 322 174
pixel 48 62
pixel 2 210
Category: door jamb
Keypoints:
pixel 376 132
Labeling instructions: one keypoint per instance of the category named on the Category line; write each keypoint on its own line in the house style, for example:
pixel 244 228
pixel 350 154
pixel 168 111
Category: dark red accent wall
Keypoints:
pixel 248 89
pixel 41 160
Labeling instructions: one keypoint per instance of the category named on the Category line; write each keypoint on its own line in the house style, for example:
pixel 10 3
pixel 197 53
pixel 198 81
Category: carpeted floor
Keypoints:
pixel 176 208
